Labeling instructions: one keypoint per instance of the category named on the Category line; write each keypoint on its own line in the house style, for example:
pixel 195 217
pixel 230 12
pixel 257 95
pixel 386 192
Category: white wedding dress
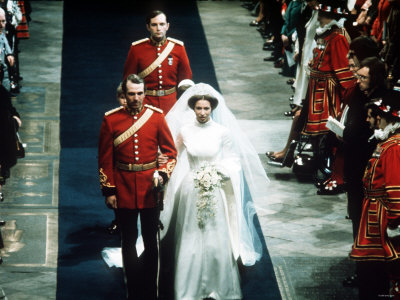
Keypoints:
pixel 203 262
pixel 205 259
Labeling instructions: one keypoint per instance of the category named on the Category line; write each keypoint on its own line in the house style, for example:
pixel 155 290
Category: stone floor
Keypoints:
pixel 307 235
pixel 31 194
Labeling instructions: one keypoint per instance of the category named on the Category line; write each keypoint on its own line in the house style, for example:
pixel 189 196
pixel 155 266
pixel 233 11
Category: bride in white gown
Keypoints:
pixel 209 228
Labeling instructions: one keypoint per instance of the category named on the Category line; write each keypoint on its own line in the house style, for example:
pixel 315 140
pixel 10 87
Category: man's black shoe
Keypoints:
pixel 268 47
pixel 2 222
pixel 270 58
pixel 14 88
pixel 113 228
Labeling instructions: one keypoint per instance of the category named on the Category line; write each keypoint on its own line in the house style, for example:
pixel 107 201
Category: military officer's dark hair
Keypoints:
pixel 192 100
pixel 154 14
pixel 388 108
pixel 134 79
pixel 362 47
pixel 377 72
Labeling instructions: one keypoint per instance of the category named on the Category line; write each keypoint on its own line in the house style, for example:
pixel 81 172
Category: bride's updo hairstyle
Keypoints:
pixel 213 101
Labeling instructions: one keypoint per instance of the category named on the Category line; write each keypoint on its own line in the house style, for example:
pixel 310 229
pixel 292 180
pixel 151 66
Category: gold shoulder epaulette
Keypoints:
pixel 140 41
pixel 113 110
pixel 154 108
pixel 175 41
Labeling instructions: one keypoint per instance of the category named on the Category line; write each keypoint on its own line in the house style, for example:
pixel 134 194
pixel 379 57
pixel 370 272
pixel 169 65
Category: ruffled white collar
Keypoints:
pixel 322 30
pixel 383 135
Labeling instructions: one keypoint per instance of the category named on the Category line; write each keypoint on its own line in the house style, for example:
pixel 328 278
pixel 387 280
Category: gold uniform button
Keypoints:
pixel 136 158
pixel 135 117
pixel 136 146
pixel 135 135
pixel 136 152
pixel 136 141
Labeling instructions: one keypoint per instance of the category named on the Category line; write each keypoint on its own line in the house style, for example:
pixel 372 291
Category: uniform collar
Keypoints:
pixel 158 44
pixel 135 113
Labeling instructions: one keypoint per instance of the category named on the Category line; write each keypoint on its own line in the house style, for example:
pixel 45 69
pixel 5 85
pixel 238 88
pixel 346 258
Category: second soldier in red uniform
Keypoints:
pixel 162 62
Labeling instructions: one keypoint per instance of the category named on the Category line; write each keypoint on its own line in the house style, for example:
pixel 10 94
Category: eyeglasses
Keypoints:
pixel 353 66
pixel 361 77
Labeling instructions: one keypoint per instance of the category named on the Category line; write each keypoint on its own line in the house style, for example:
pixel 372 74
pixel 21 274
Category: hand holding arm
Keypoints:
pixel 162 159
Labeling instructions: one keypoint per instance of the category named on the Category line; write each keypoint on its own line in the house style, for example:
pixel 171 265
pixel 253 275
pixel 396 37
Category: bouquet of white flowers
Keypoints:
pixel 206 179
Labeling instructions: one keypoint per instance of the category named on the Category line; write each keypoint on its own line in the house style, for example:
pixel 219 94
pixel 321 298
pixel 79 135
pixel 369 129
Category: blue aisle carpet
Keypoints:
pixel 97 37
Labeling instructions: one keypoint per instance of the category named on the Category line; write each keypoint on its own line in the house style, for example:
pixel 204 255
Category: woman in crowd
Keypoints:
pixel 301 83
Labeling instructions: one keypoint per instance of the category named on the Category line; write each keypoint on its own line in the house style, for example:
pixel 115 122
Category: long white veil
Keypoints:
pixel 253 183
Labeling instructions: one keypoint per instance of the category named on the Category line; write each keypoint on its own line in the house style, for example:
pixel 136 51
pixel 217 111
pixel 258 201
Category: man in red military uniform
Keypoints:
pixel 377 246
pixel 129 140
pixel 162 62
pixel 330 75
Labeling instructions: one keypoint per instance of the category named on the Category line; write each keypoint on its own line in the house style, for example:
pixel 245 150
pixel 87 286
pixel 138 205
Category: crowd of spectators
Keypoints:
pixel 342 60
pixel 13 28
pixel 290 30
pixel 14 17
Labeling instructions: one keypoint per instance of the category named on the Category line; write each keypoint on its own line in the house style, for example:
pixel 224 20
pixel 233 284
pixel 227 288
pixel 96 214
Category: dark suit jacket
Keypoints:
pixel 8 127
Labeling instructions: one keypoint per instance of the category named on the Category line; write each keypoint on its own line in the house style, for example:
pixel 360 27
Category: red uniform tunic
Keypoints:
pixel 133 188
pixel 167 75
pixel 381 204
pixel 329 77
pixel 384 8
pixel 22 28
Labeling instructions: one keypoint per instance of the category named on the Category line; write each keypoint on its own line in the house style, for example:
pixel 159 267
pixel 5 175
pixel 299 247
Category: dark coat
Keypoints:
pixel 8 127
pixel 355 135
pixel 357 149
pixel 305 16
pixel 392 47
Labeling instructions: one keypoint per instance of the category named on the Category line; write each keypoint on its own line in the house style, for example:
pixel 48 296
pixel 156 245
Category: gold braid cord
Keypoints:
pixel 104 179
pixel 168 168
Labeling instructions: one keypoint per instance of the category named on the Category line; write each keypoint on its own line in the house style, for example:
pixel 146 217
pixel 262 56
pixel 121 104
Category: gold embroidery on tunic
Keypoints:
pixel 104 179
pixel 169 167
